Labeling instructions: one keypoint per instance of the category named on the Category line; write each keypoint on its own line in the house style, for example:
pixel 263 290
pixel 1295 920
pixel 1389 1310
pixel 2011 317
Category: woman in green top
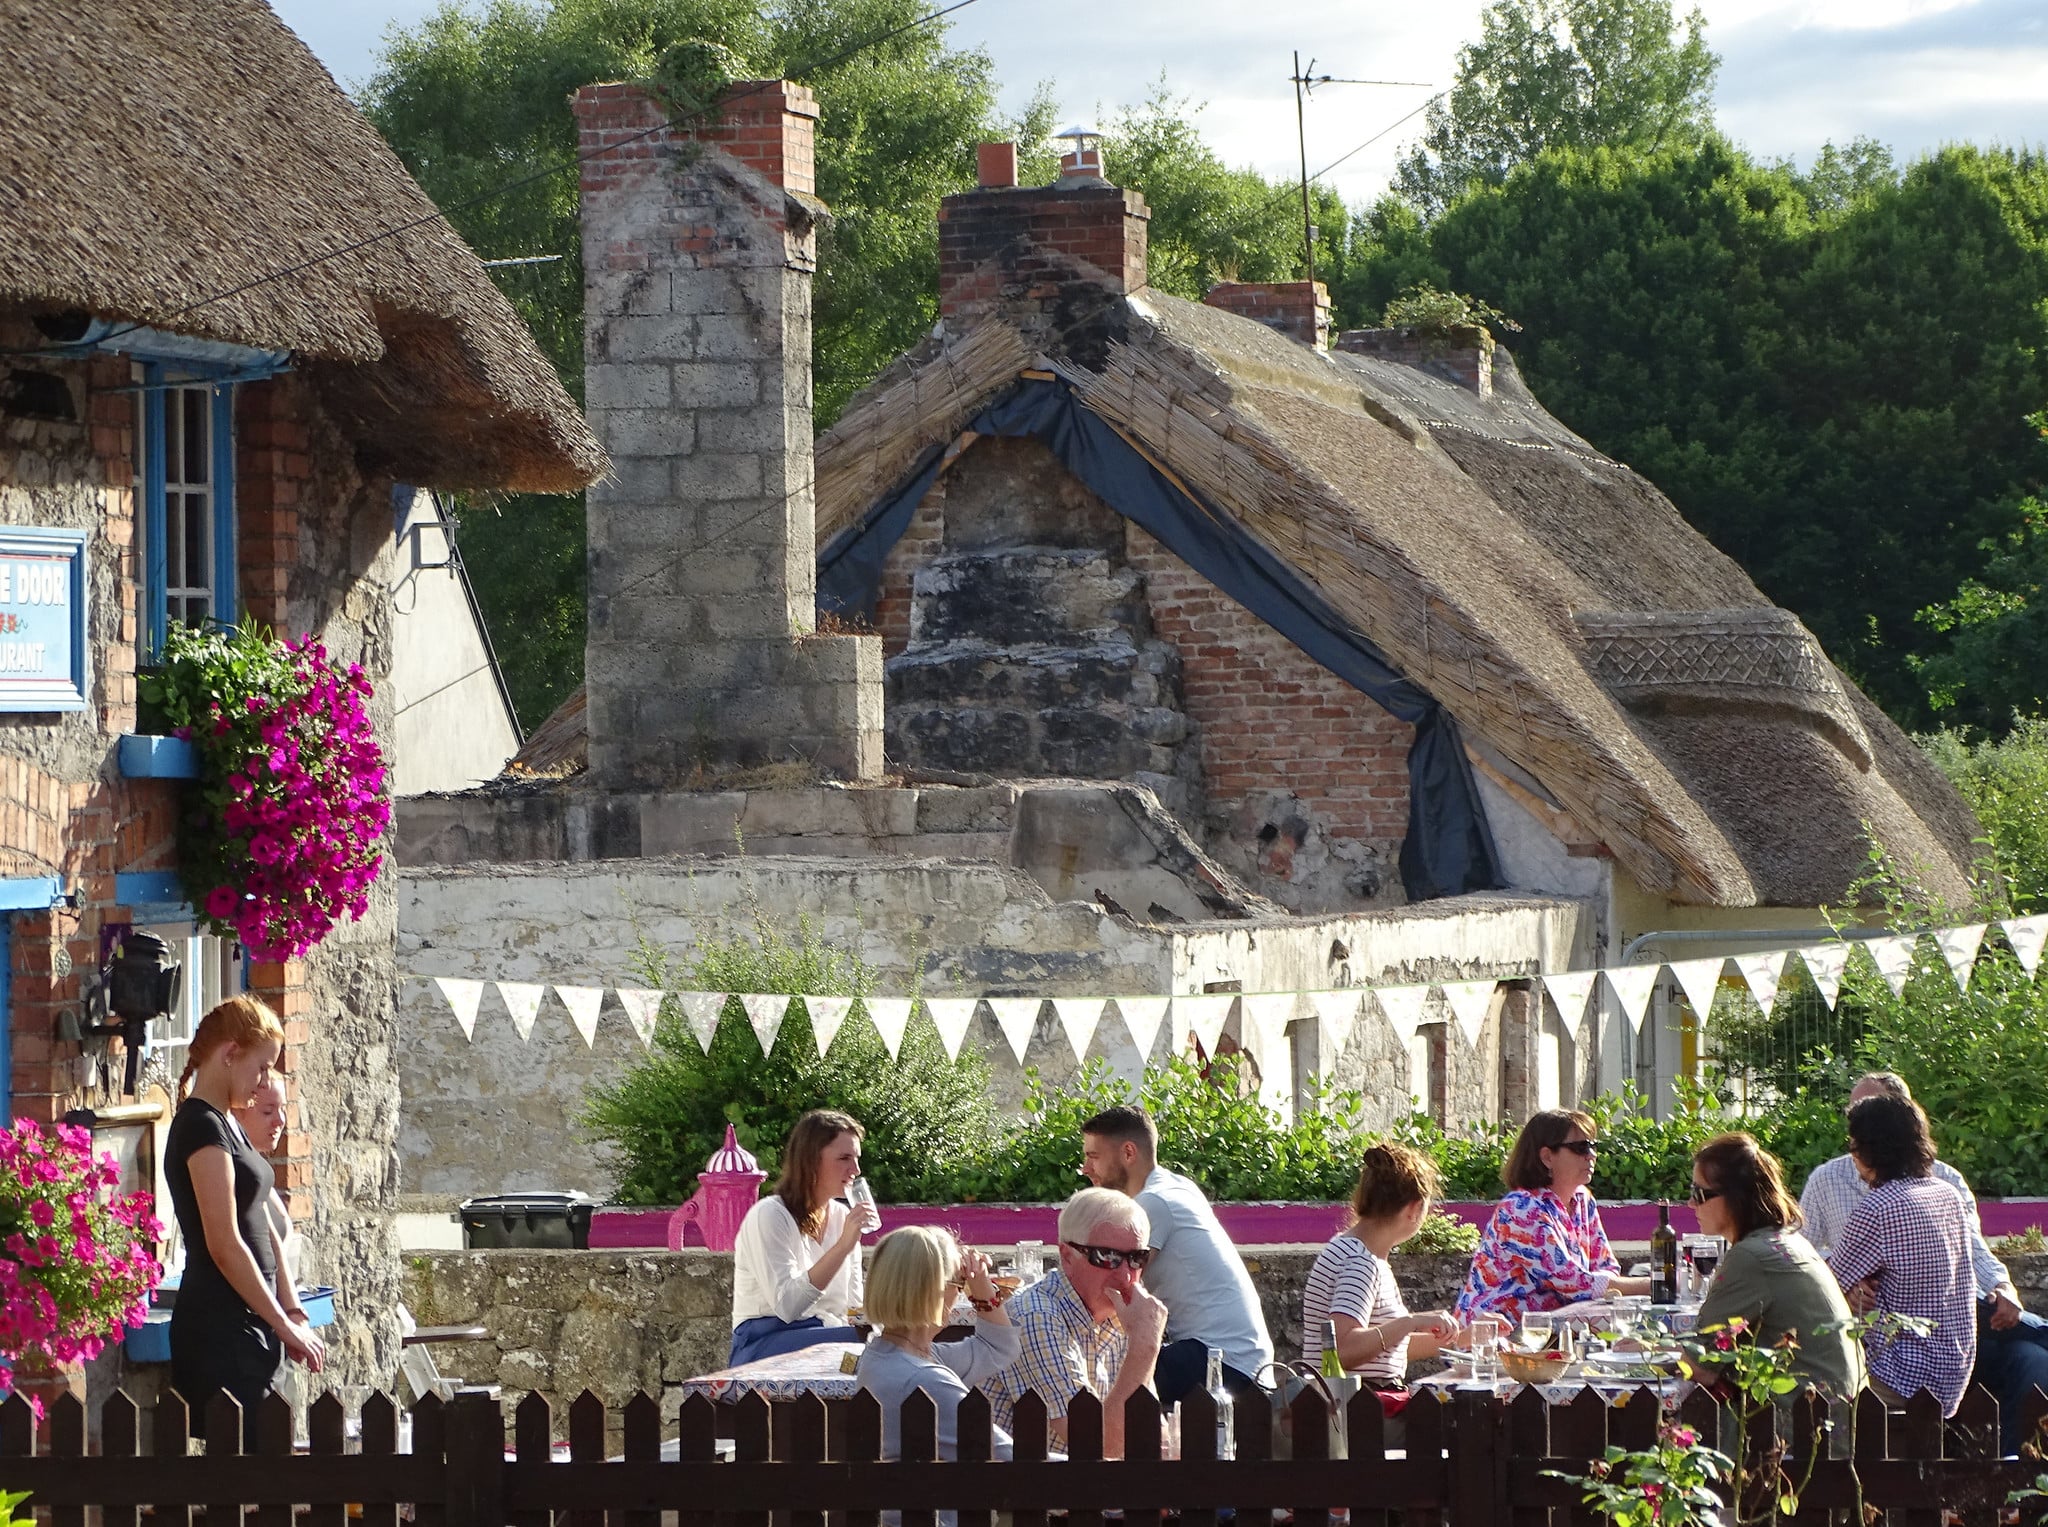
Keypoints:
pixel 1771 1276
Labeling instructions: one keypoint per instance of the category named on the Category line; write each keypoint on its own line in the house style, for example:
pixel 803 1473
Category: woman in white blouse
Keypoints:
pixel 796 1268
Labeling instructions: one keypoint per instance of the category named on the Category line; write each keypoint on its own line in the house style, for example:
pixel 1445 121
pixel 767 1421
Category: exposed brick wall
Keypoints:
pixel 1463 356
pixel 1034 251
pixel 1298 309
pixel 923 539
pixel 273 466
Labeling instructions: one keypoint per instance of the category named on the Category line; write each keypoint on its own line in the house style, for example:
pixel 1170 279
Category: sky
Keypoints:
pixel 1795 74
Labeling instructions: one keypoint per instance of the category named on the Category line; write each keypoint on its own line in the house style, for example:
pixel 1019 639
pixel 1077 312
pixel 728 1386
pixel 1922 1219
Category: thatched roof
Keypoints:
pixel 153 157
pixel 1549 597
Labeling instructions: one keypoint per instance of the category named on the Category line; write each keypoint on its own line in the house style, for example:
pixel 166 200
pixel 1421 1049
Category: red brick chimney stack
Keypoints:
pixel 1298 309
pixel 1463 356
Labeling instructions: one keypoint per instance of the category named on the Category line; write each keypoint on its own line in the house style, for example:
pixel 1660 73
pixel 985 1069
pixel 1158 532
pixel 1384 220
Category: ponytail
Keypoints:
pixel 242 1020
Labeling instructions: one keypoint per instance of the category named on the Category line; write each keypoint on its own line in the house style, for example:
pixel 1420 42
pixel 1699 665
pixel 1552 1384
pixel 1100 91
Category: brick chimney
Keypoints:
pixel 1025 252
pixel 698 250
pixel 1298 309
pixel 1462 355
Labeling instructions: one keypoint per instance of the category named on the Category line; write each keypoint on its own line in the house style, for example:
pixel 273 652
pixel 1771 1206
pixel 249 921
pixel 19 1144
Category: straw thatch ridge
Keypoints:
pixel 1552 599
pixel 158 156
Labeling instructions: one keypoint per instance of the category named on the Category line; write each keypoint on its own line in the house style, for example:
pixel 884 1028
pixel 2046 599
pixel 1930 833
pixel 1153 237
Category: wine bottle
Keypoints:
pixel 1219 1393
pixel 1332 1365
pixel 1663 1258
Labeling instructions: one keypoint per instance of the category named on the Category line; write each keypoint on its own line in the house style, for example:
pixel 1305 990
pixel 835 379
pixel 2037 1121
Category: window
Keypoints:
pixel 186 487
pixel 213 971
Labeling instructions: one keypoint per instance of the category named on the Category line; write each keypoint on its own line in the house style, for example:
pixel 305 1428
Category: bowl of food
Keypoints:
pixel 1533 1367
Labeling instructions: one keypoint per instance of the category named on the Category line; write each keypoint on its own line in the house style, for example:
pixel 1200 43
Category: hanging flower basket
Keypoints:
pixel 76 1263
pixel 279 838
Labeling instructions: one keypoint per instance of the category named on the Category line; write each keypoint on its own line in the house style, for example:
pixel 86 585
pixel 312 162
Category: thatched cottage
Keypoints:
pixel 233 333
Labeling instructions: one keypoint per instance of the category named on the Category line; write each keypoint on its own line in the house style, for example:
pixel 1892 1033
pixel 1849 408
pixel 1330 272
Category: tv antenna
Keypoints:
pixel 1305 82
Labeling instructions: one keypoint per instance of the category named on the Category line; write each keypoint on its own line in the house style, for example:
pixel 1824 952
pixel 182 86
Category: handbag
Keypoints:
pixel 1295 1379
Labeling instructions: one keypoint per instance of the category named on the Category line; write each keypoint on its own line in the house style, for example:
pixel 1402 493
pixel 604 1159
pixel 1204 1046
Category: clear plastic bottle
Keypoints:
pixel 1226 1432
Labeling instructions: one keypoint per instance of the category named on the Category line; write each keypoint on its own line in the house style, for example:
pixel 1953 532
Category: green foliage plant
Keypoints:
pixel 1442 1234
pixel 9 1499
pixel 1423 307
pixel 2005 780
pixel 923 1112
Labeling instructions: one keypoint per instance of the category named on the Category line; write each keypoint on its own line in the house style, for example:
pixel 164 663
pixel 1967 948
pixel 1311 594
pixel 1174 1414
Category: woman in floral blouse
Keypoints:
pixel 1544 1247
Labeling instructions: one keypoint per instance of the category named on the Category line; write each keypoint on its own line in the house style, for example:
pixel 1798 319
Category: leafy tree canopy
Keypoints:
pixel 1550 74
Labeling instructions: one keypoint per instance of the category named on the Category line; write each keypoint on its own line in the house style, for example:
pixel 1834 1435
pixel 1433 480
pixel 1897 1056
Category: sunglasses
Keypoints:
pixel 1700 1195
pixel 1580 1147
pixel 1111 1258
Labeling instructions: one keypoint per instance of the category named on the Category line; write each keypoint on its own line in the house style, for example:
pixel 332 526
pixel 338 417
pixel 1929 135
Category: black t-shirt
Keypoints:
pixel 197 1125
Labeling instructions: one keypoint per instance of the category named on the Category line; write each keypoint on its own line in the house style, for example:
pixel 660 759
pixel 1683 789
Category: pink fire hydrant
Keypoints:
pixel 727 1188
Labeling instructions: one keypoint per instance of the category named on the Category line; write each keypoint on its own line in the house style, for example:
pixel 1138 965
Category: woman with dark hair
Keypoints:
pixel 796 1265
pixel 1772 1278
pixel 1544 1248
pixel 1906 1251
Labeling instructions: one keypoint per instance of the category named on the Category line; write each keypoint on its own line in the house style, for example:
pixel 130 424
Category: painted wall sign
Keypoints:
pixel 42 619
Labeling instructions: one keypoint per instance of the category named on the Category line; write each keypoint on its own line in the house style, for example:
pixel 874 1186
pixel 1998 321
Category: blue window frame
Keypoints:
pixel 187 485
pixel 6 1019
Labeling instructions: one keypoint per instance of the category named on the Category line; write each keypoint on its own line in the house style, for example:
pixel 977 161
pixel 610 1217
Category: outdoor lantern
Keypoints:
pixel 727 1188
pixel 141 983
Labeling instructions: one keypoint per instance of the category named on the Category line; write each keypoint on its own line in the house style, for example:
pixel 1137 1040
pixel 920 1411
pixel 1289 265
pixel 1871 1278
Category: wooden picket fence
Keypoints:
pixel 1473 1461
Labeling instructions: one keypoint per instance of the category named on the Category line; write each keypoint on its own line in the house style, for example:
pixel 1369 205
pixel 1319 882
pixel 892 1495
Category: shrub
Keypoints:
pixel 1443 1235
pixel 924 1113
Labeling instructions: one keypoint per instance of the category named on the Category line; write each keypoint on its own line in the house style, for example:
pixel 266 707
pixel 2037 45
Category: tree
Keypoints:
pixel 1551 74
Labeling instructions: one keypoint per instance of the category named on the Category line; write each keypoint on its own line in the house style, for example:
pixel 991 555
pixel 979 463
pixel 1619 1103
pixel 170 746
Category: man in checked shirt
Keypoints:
pixel 2012 1342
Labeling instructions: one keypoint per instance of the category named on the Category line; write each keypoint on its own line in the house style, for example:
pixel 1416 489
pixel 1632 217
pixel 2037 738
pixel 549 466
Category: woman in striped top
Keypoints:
pixel 1352 1286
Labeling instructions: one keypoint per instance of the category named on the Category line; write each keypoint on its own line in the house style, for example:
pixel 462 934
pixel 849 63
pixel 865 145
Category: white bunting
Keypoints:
pixel 522 1001
pixel 642 1008
pixel 1337 1013
pixel 1264 1018
pixel 1633 986
pixel 1699 980
pixel 1403 1006
pixel 584 1004
pixel 1470 1002
pixel 828 1017
pixel 1763 972
pixel 1079 1017
pixel 1825 963
pixel 765 1013
pixel 890 1016
pixel 1959 947
pixel 1569 991
pixel 1144 1017
pixel 950 1016
pixel 463 997
pixel 701 1010
pixel 1203 1016
pixel 1017 1017
pixel 2026 935
pixel 1893 957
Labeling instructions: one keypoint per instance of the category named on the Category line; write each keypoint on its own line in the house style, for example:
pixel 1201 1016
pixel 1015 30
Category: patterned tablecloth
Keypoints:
pixel 785 1376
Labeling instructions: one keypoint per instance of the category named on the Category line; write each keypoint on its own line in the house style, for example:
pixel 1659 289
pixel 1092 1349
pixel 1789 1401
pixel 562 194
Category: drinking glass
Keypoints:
pixel 1706 1257
pixel 1030 1256
pixel 1539 1330
pixel 1487 1331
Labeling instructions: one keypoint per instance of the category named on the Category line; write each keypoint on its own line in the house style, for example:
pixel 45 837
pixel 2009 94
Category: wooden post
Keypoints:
pixel 1479 1458
pixel 476 1460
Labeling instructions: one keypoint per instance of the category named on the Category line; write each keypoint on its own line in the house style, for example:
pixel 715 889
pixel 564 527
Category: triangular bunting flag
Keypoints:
pixel 2026 935
pixel 584 1004
pixel 1825 963
pixel 765 1013
pixel 1470 1002
pixel 701 1010
pixel 463 997
pixel 1264 1019
pixel 1699 980
pixel 1203 1016
pixel 1569 989
pixel 1337 1012
pixel 890 1016
pixel 1144 1017
pixel 641 1008
pixel 828 1017
pixel 951 1015
pixel 1763 972
pixel 1078 1016
pixel 522 1001
pixel 1893 957
pixel 1633 986
pixel 1959 947
pixel 1403 1006
pixel 1017 1017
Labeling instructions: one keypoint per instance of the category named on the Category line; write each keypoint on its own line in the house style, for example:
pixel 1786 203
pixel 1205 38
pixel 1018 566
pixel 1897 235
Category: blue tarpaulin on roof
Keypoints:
pixel 1449 848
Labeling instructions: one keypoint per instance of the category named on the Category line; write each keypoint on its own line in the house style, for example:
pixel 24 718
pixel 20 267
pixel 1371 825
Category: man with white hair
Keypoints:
pixel 2012 1343
pixel 1089 1324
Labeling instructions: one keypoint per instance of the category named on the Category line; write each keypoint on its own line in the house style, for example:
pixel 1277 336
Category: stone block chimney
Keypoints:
pixel 1298 309
pixel 699 245
pixel 1030 253
pixel 1462 355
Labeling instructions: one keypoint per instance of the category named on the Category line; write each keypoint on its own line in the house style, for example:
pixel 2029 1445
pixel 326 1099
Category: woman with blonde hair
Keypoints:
pixel 910 1299
pixel 1351 1285
pixel 237 1315
pixel 796 1265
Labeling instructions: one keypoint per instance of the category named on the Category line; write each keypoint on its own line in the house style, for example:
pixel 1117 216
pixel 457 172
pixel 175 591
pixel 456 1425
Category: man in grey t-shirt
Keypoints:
pixel 1195 1268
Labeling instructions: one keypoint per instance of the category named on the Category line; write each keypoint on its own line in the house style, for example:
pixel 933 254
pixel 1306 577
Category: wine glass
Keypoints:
pixel 1539 1330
